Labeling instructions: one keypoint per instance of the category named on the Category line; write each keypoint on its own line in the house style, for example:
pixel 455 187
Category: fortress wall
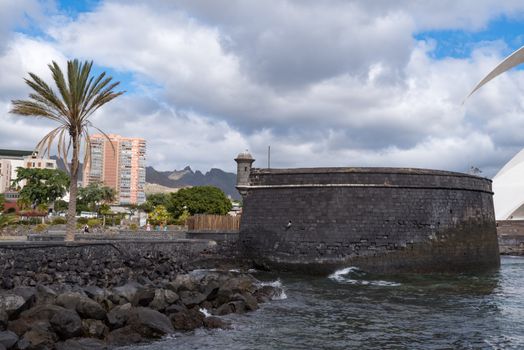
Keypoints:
pixel 381 220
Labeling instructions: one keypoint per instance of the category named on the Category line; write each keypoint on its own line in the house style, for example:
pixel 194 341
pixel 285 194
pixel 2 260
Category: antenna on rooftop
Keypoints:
pixel 269 156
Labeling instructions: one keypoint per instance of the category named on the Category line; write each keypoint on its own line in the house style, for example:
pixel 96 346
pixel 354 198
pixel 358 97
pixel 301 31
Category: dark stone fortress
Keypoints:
pixel 377 219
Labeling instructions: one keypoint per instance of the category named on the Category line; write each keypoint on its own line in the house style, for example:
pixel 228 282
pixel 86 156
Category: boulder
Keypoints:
pixel 66 323
pixel 126 293
pixel 28 293
pixel 3 320
pixel 171 309
pixel 145 296
pixel 118 317
pixel 88 308
pixel 40 336
pixel 215 322
pixel 181 283
pixel 163 298
pixel 224 309
pixel 94 292
pixel 150 323
pixel 13 304
pixel 8 339
pixel 45 295
pixel 82 344
pixel 265 293
pixel 19 326
pixel 187 320
pixel 94 328
pixel 191 298
pixel 123 336
pixel 250 301
pixel 69 300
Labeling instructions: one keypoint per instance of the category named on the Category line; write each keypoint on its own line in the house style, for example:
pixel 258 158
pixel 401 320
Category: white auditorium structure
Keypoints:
pixel 508 186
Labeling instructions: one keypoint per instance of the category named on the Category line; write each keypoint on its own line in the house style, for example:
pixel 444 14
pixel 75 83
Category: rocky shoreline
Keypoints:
pixel 69 316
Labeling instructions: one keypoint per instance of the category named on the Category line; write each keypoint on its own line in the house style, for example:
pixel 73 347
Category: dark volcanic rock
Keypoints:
pixel 124 336
pixel 13 304
pixel 171 309
pixel 69 300
pixel 39 337
pixel 82 344
pixel 188 320
pixel 182 283
pixel 126 293
pixel 118 317
pixel 191 298
pixel 94 328
pixel 145 296
pixel 66 323
pixel 163 298
pixel 3 320
pixel 86 307
pixel 266 293
pixel 45 295
pixel 8 339
pixel 215 322
pixel 150 323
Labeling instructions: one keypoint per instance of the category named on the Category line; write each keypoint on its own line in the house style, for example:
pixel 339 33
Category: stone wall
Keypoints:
pixel 379 219
pixel 104 264
pixel 511 237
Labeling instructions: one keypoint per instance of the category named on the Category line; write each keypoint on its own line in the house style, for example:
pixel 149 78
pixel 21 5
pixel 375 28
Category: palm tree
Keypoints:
pixel 79 96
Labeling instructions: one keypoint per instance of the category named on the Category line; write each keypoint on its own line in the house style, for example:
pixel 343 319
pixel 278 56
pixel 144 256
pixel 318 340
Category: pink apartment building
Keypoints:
pixel 121 166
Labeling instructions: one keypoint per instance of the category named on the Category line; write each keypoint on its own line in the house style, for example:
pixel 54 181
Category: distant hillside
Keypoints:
pixel 181 178
pixel 187 177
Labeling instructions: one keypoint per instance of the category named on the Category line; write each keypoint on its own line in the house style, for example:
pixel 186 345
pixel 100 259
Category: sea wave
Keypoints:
pixel 353 275
pixel 205 312
pixel 280 293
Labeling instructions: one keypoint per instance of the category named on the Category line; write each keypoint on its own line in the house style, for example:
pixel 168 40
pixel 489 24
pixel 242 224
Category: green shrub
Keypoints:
pixel 81 221
pixel 59 221
pixel 133 227
pixel 94 223
pixel 40 228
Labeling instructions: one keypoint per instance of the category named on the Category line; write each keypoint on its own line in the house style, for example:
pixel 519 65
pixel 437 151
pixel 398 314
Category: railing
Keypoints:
pixel 213 223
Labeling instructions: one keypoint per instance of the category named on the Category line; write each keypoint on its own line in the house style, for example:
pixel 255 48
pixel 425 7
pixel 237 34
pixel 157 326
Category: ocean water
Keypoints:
pixel 354 310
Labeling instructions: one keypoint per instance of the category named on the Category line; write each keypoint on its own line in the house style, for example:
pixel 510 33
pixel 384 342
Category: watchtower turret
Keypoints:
pixel 244 161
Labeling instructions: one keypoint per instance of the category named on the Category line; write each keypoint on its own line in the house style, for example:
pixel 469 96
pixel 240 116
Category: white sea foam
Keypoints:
pixel 204 311
pixel 280 293
pixel 276 284
pixel 352 275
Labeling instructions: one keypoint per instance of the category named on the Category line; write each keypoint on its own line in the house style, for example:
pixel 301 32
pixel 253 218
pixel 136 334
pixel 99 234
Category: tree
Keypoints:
pixel 95 194
pixel 159 215
pixel 155 199
pixel 2 202
pixel 42 186
pixel 199 200
pixel 79 96
pixel 61 205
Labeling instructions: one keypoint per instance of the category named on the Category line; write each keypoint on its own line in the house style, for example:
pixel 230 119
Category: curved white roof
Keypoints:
pixel 508 186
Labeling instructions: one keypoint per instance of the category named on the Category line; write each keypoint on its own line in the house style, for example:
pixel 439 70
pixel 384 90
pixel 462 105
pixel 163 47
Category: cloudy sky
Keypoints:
pixel 325 83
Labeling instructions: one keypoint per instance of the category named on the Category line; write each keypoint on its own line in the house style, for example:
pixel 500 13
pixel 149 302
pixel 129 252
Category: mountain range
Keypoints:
pixel 187 177
pixel 183 178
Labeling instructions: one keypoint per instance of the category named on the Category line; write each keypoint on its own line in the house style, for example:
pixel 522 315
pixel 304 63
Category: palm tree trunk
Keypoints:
pixel 73 190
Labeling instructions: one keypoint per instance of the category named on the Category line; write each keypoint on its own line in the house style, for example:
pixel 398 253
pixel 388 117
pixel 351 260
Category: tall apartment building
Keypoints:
pixel 121 166
pixel 11 160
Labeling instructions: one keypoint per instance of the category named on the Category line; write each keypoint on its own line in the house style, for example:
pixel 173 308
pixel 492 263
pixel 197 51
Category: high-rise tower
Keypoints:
pixel 119 164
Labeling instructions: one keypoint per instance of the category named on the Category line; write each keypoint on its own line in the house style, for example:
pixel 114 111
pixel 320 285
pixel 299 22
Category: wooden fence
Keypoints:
pixel 213 223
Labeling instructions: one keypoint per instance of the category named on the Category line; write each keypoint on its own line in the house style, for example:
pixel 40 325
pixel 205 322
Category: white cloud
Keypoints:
pixel 324 82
